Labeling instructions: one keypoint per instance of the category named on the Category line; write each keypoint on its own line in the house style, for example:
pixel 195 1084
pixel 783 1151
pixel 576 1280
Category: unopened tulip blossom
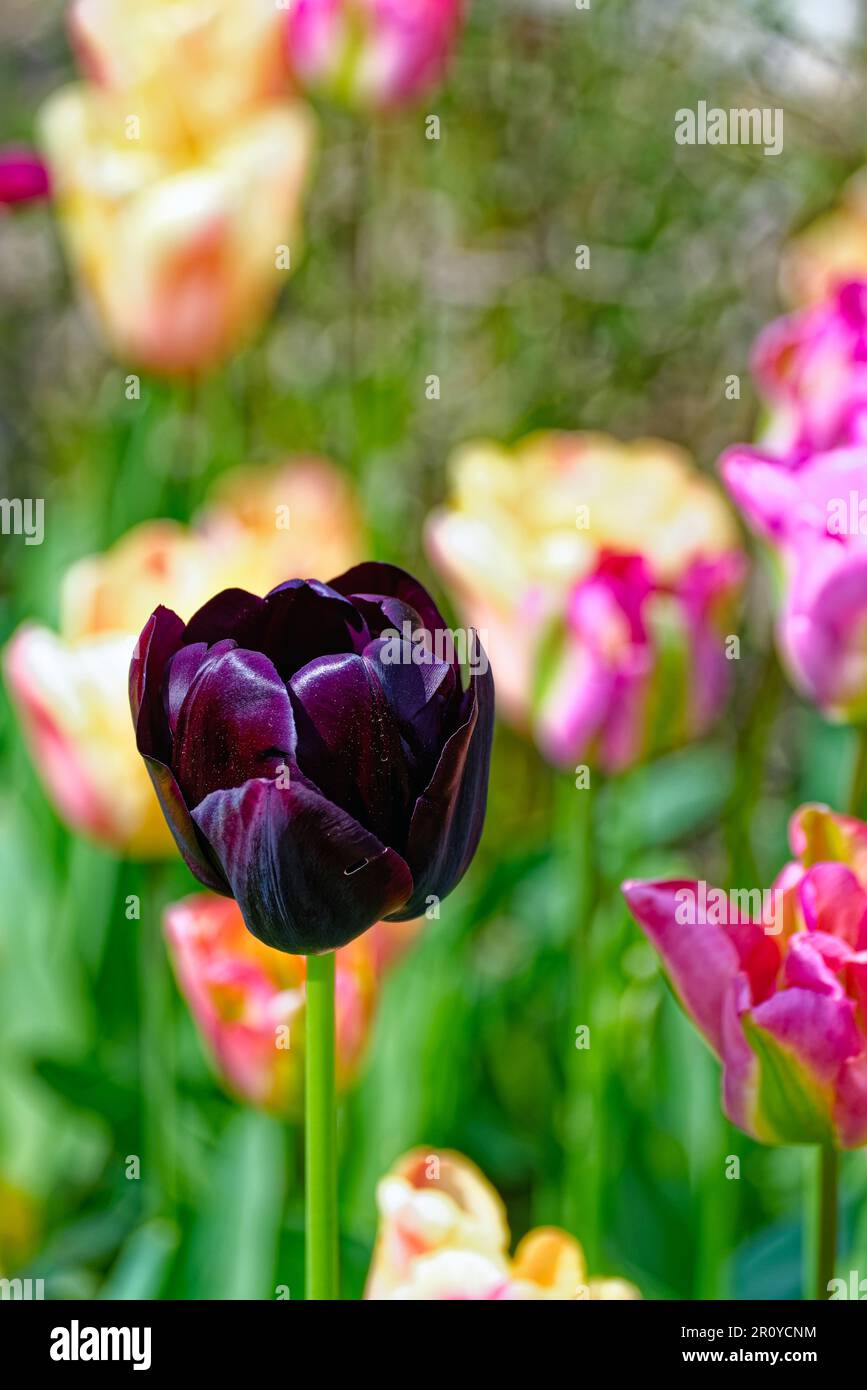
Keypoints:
pixel 443 1236
pixel 70 687
pixel 596 569
pixel 249 1001
pixel 375 54
pixel 781 996
pixel 320 754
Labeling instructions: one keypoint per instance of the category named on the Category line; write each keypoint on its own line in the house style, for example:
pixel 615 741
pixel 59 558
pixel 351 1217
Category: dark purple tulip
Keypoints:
pixel 306 764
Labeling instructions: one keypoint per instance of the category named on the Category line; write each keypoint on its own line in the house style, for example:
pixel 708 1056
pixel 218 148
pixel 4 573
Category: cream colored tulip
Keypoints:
pixel 181 248
pixel 71 688
pixel 443 1235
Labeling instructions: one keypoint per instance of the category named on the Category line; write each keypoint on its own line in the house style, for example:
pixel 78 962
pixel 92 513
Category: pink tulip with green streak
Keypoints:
pixel 781 1000
pixel 371 54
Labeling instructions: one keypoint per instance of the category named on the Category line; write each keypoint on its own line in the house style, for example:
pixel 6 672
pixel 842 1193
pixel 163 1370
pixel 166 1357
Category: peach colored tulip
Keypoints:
pixel 70 688
pixel 179 173
pixel 831 251
pixel 248 1000
pixel 198 64
pixel 443 1235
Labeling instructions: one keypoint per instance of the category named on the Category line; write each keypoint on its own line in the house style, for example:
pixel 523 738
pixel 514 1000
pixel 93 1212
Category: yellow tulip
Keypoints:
pixel 179 174
pixel 70 688
pixel 584 562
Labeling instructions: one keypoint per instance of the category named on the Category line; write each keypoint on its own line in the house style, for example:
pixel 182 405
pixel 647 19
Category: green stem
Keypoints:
pixel 320 1132
pixel 826 1219
pixel 582 1190
pixel 858 784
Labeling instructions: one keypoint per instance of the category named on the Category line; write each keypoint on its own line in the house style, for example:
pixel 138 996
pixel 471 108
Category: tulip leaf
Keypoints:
pixel 789 1102
pixel 141 1267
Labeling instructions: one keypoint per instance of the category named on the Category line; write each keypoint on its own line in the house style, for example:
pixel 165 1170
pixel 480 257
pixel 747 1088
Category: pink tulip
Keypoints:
pixel 603 696
pixel 814 514
pixel 23 176
pixel 603 577
pixel 778 985
pixel 249 1001
pixel 811 367
pixel 372 53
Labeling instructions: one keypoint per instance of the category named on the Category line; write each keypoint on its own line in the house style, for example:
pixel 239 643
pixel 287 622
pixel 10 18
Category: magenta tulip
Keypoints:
pixel 376 54
pixel 23 176
pixel 777 983
pixel 811 368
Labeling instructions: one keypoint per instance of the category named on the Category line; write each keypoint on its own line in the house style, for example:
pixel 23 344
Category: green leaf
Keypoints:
pixel 142 1265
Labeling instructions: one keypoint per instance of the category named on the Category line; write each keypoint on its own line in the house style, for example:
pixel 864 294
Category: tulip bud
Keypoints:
pixel 371 53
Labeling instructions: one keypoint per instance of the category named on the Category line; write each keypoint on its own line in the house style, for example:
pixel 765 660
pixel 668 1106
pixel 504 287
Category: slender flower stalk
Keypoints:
pixel 827 1203
pixel 575 809
pixel 322 1272
pixel 326 772
pixel 822 1195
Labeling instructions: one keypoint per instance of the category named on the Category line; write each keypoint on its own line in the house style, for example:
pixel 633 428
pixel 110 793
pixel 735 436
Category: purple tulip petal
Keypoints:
pixel 422 697
pixel 192 845
pixel 448 817
pixel 378 582
pixel 302 620
pixel 235 723
pixel 349 743
pixel 182 668
pixel 306 876
pixel 223 616
pixel 162 636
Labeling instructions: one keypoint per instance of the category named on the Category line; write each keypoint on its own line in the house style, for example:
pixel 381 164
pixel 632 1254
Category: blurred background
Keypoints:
pixel 453 258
